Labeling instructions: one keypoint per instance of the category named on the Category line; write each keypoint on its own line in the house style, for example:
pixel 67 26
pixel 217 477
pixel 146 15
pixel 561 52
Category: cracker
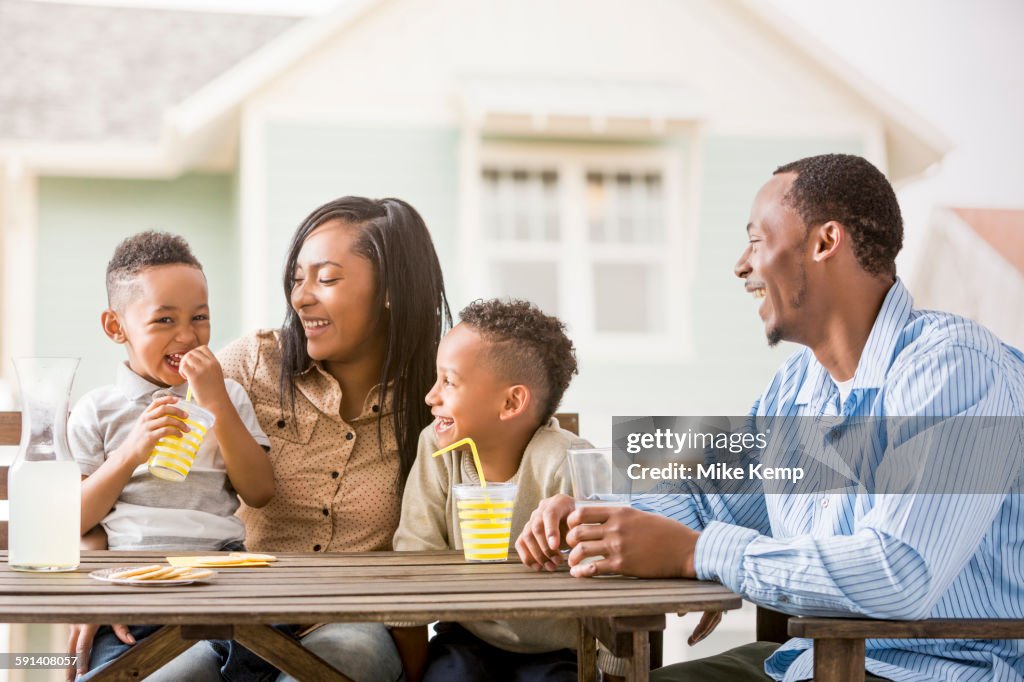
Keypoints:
pixel 133 572
pixel 198 574
pixel 160 573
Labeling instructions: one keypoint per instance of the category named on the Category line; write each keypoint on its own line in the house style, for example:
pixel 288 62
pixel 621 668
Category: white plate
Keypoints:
pixel 103 575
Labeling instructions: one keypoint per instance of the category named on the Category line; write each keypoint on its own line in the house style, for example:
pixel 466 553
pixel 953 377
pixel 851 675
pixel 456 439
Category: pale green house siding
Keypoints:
pixel 309 165
pixel 80 223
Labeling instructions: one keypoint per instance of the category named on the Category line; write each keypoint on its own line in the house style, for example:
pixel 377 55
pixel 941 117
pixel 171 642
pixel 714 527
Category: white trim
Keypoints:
pixel 875 149
pixel 18 220
pixel 470 266
pixel 91 160
pixel 899 118
pixel 253 237
pixel 234 86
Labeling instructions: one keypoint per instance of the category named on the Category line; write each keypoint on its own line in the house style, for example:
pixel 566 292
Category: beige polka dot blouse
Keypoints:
pixel 335 481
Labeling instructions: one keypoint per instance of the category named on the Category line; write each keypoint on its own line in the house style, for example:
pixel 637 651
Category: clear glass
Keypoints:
pixel 45 481
pixel 592 473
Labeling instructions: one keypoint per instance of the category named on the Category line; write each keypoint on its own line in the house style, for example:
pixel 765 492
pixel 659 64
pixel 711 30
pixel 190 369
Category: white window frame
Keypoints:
pixel 574 251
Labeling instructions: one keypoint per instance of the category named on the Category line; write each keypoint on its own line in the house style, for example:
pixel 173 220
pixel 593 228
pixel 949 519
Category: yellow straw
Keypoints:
pixel 188 394
pixel 476 457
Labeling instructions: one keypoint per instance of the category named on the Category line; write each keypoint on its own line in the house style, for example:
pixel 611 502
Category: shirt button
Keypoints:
pixel 349 435
pixel 316 548
pixel 375 408
pixel 824 503
pixel 783 599
pixel 326 512
pixel 334 474
pixel 280 423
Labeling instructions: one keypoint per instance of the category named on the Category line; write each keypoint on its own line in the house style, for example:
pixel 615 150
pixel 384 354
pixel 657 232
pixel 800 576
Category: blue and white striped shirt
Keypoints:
pixel 885 556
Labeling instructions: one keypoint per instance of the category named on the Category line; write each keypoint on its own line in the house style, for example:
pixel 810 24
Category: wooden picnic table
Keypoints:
pixel 242 603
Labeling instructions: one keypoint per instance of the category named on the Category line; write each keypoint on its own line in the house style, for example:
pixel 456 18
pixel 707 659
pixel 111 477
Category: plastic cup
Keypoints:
pixel 485 520
pixel 173 456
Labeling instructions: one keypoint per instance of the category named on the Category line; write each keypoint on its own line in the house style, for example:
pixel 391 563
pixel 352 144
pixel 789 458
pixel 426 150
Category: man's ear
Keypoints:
pixel 827 240
pixel 112 326
pixel 517 401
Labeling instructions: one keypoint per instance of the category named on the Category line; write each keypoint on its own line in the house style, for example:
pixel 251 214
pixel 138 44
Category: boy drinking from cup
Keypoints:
pixel 501 374
pixel 158 310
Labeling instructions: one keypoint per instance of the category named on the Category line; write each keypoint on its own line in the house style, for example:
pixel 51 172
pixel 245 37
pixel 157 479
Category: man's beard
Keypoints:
pixel 777 333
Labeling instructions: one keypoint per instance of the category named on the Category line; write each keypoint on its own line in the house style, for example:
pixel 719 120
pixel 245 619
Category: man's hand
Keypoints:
pixel 204 374
pixel 80 644
pixel 155 423
pixel 709 620
pixel 631 542
pixel 541 540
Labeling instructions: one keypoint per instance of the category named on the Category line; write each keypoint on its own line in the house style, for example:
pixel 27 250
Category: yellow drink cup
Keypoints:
pixel 485 520
pixel 173 456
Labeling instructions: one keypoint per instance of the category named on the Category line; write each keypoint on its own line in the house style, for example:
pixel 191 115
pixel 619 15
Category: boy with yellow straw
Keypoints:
pixel 501 374
pixel 158 310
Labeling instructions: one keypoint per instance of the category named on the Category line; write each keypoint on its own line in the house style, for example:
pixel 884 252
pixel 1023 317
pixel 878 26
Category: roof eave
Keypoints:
pixel 913 145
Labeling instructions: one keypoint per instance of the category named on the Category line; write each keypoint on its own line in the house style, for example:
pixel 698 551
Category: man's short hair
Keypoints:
pixel 526 347
pixel 851 191
pixel 140 252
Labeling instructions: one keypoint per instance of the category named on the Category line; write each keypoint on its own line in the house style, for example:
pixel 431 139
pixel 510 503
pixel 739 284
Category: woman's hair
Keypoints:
pixel 394 238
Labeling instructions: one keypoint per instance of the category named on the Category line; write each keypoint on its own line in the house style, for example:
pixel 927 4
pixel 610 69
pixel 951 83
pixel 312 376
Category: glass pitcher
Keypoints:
pixel 45 481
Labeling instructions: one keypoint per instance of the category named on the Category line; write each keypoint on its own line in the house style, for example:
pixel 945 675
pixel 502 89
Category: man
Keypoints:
pixel 823 236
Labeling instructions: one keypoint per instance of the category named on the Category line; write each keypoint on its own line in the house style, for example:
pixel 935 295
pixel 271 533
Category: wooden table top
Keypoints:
pixel 373 586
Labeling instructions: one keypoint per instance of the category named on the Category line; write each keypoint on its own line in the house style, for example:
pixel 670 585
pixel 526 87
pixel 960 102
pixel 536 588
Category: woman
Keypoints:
pixel 339 390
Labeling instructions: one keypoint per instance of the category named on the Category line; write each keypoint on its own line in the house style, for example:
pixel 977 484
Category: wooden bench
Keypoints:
pixel 839 642
pixel 10 434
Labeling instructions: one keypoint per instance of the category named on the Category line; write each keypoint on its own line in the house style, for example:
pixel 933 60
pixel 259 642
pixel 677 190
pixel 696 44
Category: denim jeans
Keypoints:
pixel 457 654
pixel 213 661
pixel 364 652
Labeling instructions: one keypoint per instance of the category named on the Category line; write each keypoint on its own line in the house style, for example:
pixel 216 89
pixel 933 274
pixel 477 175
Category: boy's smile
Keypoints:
pixel 168 315
pixel 467 398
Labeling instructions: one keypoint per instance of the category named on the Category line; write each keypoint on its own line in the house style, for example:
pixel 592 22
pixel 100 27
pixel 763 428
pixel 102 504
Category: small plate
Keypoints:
pixel 103 575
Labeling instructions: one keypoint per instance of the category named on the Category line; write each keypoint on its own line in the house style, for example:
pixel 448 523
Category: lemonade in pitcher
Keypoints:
pixel 45 481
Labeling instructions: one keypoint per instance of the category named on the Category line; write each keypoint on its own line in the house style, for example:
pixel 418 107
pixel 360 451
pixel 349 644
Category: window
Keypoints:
pixel 593 235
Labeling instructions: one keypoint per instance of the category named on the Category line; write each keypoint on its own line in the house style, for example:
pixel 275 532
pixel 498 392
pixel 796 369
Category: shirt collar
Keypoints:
pixel 323 391
pixel 877 356
pixel 136 388
pixel 879 351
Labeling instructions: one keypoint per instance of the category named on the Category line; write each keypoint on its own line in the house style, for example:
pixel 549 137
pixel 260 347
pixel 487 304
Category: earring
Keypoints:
pixel 387 303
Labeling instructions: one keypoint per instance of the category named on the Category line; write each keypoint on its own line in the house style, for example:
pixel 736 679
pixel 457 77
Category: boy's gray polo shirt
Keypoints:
pixel 152 514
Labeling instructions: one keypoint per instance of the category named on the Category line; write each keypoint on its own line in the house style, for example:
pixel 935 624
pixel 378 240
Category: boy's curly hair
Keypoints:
pixel 139 252
pixel 526 347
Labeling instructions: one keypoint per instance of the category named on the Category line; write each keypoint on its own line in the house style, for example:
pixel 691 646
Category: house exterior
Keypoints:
pixel 972 264
pixel 597 157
